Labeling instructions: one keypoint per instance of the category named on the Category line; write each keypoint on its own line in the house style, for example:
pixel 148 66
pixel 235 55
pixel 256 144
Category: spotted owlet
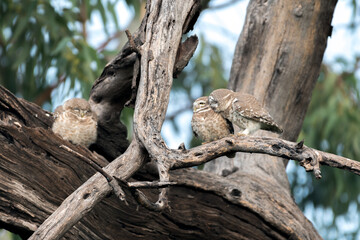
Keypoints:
pixel 243 110
pixel 75 122
pixel 207 124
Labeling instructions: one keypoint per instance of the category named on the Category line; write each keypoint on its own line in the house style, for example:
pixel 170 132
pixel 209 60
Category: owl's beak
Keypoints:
pixel 82 113
pixel 194 107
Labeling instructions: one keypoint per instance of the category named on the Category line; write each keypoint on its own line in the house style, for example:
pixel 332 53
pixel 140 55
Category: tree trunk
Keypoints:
pixel 253 203
pixel 277 59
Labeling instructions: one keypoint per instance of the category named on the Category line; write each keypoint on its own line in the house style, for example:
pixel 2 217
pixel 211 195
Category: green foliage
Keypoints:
pixel 332 125
pixel 355 14
pixel 43 44
pixel 5 235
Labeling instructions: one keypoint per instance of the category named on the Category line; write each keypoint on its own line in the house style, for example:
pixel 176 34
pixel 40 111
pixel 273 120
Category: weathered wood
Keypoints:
pixel 279 54
pixel 48 166
pixel 84 199
pixel 168 25
pixel 308 157
pixel 112 89
pixel 277 59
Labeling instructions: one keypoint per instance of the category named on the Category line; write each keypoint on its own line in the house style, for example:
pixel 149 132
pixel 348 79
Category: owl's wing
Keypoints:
pixel 248 107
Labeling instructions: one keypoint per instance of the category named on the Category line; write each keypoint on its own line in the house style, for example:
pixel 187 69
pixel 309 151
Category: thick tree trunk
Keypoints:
pixel 277 59
pixel 36 175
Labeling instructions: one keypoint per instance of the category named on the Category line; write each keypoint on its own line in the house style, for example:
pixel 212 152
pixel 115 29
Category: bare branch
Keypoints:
pixel 155 184
pixel 132 44
pixel 141 198
pixel 308 157
pixel 80 202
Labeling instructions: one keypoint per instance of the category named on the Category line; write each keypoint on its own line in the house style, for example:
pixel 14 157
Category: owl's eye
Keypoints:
pixel 76 110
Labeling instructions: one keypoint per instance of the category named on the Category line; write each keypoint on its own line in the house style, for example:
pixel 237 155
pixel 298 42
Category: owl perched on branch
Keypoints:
pixel 207 124
pixel 243 110
pixel 75 122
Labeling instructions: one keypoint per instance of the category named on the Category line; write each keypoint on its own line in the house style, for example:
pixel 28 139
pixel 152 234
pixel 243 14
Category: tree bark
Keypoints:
pixel 277 59
pixel 36 175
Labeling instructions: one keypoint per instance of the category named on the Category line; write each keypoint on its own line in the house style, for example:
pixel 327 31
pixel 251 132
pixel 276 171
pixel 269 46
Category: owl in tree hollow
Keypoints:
pixel 207 124
pixel 75 122
pixel 243 110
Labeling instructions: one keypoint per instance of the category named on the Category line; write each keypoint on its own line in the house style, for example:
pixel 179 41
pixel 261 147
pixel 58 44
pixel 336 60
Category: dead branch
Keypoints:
pixel 90 193
pixel 309 157
pixel 80 202
pixel 155 184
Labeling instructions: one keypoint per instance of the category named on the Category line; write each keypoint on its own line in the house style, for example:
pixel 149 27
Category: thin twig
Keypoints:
pixel 112 182
pixel 155 184
pixel 88 161
pixel 132 44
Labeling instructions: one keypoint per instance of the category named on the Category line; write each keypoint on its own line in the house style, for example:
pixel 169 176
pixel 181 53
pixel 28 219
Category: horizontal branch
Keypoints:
pixel 308 157
pixel 154 184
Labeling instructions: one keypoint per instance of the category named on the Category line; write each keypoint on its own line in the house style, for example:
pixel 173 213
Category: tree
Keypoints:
pixel 233 200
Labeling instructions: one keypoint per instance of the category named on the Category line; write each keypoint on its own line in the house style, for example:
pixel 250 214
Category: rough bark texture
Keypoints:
pixel 36 175
pixel 277 59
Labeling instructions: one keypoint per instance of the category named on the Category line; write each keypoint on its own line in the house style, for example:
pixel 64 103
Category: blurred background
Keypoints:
pixel 53 50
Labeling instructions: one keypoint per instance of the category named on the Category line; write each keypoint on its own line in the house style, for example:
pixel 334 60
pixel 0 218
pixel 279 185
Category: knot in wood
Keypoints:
pixel 298 11
pixel 235 193
pixel 229 141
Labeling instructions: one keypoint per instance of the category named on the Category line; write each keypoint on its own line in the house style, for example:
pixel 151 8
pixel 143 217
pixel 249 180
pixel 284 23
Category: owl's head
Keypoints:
pixel 200 104
pixel 78 106
pixel 219 99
